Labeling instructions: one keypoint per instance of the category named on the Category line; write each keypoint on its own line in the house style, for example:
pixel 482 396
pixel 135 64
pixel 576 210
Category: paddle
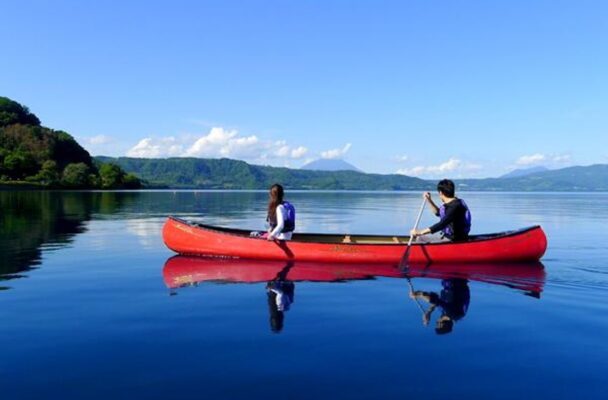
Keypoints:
pixel 409 281
pixel 403 262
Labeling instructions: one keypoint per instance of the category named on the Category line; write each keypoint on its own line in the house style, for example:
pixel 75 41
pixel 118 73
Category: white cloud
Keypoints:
pixel 402 158
pixel 549 160
pixel 218 142
pixel 299 152
pixel 282 150
pixel 150 148
pixel 145 149
pixel 99 139
pixel 531 159
pixel 562 158
pixel 336 153
pixel 452 166
pixel 102 145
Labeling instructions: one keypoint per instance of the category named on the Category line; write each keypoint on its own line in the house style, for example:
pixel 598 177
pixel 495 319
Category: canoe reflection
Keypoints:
pixel 452 297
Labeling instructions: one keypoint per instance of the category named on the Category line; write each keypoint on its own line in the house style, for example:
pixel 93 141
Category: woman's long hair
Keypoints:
pixel 275 198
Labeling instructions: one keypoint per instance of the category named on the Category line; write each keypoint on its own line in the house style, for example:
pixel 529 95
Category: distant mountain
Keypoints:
pixel 234 174
pixel 524 171
pixel 330 165
pixel 592 178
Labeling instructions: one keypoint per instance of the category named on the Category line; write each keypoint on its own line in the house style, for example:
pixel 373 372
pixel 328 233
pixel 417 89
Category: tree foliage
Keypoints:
pixel 12 112
pixel 112 177
pixel 75 175
pixel 234 174
pixel 31 152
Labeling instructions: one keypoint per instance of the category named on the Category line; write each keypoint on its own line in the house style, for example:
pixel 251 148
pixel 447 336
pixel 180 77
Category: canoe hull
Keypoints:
pixel 195 239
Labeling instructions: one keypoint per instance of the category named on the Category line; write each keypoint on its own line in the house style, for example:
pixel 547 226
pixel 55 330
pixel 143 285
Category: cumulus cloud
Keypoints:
pixel 102 145
pixel 99 139
pixel 555 160
pixel 451 166
pixel 336 153
pixel 562 158
pixel 151 148
pixel 531 159
pixel 224 143
pixel 299 152
pixel 218 142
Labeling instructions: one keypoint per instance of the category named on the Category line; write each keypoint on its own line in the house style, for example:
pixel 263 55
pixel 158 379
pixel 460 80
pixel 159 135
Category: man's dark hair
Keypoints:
pixel 446 187
pixel 444 326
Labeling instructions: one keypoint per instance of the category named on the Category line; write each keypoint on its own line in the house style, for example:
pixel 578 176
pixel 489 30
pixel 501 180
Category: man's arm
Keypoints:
pixel 434 208
pixel 450 216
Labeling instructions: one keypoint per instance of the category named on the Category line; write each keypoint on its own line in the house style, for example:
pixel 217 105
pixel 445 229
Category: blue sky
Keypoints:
pixel 426 88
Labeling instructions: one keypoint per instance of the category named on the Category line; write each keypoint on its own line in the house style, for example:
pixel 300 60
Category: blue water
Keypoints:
pixel 89 310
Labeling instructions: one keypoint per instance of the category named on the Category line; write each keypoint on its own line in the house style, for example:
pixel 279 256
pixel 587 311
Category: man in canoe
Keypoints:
pixel 454 214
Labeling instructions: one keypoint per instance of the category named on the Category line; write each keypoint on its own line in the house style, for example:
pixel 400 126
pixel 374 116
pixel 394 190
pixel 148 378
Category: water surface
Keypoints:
pixel 94 305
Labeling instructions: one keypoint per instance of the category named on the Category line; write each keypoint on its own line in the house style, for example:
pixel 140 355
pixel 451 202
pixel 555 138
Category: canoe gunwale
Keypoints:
pixel 244 234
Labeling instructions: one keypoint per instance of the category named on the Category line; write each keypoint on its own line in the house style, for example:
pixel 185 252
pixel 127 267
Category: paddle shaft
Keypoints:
pixel 409 281
pixel 409 243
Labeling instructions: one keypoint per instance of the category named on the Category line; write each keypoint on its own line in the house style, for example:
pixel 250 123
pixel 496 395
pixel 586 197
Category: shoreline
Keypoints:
pixel 32 187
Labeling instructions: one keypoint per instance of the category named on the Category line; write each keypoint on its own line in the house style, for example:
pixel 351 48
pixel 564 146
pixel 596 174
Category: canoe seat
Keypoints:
pixel 346 239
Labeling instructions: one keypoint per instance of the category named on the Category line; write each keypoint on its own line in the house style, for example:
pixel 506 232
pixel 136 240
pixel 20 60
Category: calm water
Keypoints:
pixel 93 306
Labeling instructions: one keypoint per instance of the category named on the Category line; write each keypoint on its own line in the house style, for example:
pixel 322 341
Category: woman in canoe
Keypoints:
pixel 454 214
pixel 281 215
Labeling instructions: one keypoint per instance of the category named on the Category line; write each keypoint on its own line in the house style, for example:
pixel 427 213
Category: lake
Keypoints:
pixel 95 306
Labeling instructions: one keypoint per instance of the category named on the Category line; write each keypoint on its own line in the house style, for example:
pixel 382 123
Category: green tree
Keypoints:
pixel 111 176
pixel 19 164
pixel 48 174
pixel 131 181
pixel 75 175
pixel 12 112
pixel 94 181
pixel 65 150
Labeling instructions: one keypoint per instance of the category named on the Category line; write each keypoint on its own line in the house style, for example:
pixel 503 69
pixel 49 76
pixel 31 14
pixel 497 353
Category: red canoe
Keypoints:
pixel 180 271
pixel 189 238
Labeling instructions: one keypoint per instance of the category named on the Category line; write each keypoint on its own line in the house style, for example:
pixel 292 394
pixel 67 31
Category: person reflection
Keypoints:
pixel 453 300
pixel 280 293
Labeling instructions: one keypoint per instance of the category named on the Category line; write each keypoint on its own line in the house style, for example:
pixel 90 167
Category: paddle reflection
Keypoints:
pixel 449 303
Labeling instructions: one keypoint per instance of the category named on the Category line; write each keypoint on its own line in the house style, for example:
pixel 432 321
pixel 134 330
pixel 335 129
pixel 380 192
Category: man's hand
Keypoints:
pixel 426 318
pixel 427 196
pixel 419 232
pixel 270 238
pixel 416 232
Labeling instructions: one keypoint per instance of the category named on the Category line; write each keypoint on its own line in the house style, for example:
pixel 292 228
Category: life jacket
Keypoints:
pixel 290 218
pixel 447 231
pixel 455 297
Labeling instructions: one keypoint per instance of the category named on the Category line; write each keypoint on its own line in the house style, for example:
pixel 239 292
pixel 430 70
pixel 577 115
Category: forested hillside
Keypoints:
pixel 33 154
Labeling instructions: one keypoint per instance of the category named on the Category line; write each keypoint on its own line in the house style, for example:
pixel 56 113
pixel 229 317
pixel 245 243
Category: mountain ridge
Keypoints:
pixel 223 173
pixel 322 164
